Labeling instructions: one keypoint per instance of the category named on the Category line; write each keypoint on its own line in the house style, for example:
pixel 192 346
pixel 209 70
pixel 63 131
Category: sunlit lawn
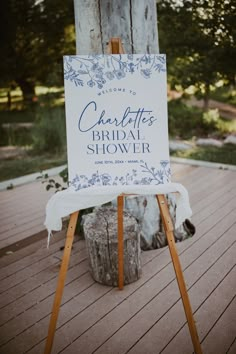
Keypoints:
pixel 225 94
pixel 44 97
pixel 13 168
pixel 225 154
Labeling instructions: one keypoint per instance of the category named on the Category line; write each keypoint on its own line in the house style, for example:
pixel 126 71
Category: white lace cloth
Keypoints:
pixel 66 202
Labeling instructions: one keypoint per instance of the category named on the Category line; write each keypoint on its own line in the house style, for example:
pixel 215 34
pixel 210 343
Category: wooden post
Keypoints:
pixel 61 282
pixel 134 21
pixel 168 226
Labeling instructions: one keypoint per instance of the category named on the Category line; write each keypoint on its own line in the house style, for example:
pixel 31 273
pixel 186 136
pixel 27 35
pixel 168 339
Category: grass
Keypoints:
pixel 225 94
pixel 29 164
pixel 17 116
pixel 19 113
pixel 16 136
pixel 225 154
pixel 188 122
pixel 45 138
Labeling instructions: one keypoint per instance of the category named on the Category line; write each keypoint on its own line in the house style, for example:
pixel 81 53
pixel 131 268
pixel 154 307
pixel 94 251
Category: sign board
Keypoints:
pixel 116 119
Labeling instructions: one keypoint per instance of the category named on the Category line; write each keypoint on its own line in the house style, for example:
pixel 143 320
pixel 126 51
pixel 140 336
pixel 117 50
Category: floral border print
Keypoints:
pixel 97 70
pixel 151 176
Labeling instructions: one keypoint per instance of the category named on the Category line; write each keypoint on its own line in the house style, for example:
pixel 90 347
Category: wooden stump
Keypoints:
pixel 100 230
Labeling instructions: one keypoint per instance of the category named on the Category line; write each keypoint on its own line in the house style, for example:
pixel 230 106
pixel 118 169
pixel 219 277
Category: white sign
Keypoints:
pixel 116 118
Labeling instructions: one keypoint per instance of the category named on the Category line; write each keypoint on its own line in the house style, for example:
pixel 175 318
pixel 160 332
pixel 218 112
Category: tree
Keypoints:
pixel 34 41
pixel 200 41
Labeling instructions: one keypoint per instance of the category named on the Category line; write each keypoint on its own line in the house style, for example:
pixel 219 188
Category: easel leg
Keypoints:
pixel 178 271
pixel 61 281
pixel 120 205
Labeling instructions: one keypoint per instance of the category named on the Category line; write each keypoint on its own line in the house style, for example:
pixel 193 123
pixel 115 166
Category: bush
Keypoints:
pixel 187 122
pixel 49 133
pixel 184 121
pixel 15 135
pixel 225 154
pixel 225 93
pixel 16 116
pixel 211 118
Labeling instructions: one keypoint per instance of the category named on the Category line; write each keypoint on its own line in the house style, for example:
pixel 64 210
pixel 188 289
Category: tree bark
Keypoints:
pixel 206 97
pixel 9 100
pixel 100 231
pixel 134 21
pixel 28 89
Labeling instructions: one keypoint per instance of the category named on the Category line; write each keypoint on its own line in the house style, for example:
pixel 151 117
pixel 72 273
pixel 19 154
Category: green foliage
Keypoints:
pixel 17 116
pixel 29 164
pixel 49 133
pixel 199 38
pixel 14 135
pixel 225 154
pixel 64 175
pixel 224 94
pixel 35 35
pixel 52 184
pixel 19 111
pixel 188 122
pixel 211 118
pixel 48 107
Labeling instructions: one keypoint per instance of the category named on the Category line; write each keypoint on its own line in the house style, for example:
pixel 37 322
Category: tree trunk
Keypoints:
pixel 28 89
pixel 9 100
pixel 100 231
pixel 206 97
pixel 134 21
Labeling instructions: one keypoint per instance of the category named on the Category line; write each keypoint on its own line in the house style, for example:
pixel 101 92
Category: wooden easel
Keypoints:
pixel 115 47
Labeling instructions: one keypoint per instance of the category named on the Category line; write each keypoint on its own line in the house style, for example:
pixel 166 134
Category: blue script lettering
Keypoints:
pixel 88 120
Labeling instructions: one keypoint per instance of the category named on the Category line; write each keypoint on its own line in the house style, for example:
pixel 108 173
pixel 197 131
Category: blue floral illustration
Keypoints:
pixel 119 74
pixel 146 73
pixel 152 176
pixel 91 83
pixel 110 75
pixel 95 70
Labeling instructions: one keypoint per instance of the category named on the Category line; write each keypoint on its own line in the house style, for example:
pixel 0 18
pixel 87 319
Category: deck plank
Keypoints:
pixel 147 316
pixel 223 329
pixel 47 275
pixel 232 347
pixel 73 328
pixel 202 293
pixel 35 252
pixel 22 212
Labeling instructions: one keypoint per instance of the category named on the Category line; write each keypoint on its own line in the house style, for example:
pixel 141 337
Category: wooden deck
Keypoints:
pixel 147 316
pixel 22 214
